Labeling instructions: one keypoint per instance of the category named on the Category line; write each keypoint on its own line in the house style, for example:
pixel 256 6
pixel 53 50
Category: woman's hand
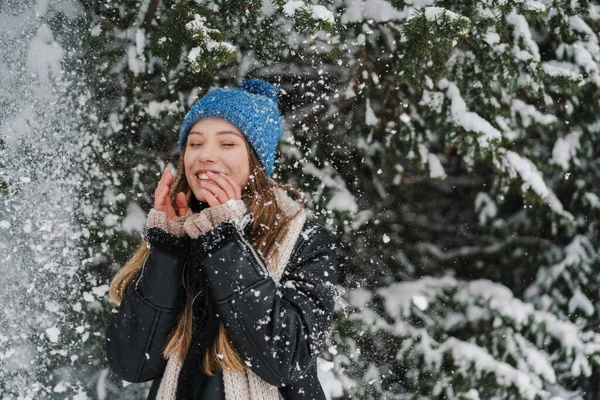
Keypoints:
pixel 219 189
pixel 162 200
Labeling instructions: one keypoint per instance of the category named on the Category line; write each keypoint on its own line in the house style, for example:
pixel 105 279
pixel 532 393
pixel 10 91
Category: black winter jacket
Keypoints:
pixel 278 331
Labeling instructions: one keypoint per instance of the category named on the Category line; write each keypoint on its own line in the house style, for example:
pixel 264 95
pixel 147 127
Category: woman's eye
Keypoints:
pixel 228 144
pixel 195 144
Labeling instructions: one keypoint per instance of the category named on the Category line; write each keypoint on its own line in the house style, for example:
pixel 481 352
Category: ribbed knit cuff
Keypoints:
pixel 168 234
pixel 229 211
pixel 158 219
pixel 198 224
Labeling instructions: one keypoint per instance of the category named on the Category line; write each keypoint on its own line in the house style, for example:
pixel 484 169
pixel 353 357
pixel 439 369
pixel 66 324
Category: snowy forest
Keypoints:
pixel 452 148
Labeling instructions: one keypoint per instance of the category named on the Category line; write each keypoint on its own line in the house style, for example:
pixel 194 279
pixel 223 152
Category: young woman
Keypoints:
pixel 231 293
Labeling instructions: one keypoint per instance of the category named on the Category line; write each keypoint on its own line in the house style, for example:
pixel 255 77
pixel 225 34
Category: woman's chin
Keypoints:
pixel 199 196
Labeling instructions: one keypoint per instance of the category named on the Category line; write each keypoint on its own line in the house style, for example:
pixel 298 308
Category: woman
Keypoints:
pixel 231 295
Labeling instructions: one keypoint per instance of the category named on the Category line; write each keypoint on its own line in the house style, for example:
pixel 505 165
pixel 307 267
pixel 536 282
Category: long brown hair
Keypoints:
pixel 270 223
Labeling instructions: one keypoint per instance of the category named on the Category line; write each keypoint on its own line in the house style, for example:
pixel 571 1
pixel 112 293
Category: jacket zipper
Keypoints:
pixel 240 224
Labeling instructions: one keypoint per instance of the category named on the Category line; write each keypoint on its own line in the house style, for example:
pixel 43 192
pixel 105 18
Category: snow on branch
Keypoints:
pixel 565 150
pixel 517 166
pixel 470 121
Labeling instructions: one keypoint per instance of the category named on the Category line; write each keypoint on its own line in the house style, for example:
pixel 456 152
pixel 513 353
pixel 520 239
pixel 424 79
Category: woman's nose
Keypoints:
pixel 207 154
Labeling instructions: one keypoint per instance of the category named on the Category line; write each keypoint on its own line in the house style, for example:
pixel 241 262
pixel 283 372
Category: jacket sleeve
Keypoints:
pixel 278 331
pixel 139 328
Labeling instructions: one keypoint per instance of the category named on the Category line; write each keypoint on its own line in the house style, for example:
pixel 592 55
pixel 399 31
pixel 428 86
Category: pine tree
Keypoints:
pixel 476 123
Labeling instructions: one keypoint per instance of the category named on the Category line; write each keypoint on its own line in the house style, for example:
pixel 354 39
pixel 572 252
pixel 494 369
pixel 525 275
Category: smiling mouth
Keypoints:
pixel 203 176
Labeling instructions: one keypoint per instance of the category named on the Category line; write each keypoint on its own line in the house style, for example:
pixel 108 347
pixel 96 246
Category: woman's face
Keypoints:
pixel 214 144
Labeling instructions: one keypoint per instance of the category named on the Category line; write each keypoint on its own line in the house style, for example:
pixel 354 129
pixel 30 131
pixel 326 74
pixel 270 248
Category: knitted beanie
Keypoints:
pixel 252 107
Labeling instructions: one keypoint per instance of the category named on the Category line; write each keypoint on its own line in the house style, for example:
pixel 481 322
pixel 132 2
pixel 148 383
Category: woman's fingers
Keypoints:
pixel 215 190
pixel 182 205
pixel 224 184
pixel 168 175
pixel 162 198
pixel 237 190
pixel 161 183
pixel 210 198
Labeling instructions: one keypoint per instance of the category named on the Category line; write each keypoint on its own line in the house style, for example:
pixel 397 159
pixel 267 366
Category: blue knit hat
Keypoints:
pixel 252 107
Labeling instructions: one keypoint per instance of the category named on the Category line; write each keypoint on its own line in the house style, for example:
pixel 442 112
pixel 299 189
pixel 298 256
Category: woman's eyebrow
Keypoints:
pixel 218 133
pixel 229 132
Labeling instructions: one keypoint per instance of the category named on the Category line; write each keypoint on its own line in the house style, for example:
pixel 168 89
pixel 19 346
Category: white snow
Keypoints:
pixel 522 31
pixel 290 8
pixel 100 291
pixel 53 334
pixel 135 219
pixel 436 170
pixel 45 56
pixel 469 356
pixel 198 26
pixel 194 54
pixel 140 41
pixel 376 10
pixel 565 150
pixel 580 301
pixel 529 113
pixel 370 118
pixel 399 296
pixel 342 199
pixel 470 121
pixel 557 68
pixel 532 179
pixel 154 108
pixel 321 13
pixel 486 208
pixel 434 14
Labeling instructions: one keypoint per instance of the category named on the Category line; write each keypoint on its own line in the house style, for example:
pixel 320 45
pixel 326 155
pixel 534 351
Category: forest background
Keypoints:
pixel 451 147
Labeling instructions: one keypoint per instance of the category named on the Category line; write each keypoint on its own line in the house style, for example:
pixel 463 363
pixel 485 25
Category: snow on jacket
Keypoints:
pixel 277 329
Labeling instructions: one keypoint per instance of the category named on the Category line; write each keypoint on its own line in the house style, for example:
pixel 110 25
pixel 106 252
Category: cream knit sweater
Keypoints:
pixel 238 385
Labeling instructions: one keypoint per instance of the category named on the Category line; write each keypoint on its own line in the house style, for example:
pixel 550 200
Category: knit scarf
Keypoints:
pixel 246 385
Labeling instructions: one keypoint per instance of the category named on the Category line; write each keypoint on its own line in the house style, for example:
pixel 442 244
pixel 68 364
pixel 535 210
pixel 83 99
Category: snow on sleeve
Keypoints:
pixel 470 121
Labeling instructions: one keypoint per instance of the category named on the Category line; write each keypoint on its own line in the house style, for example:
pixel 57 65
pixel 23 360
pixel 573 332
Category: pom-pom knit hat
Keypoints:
pixel 253 108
